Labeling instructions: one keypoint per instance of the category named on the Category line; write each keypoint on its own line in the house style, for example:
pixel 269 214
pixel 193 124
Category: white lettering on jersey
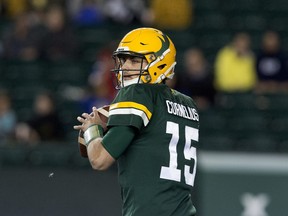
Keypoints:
pixel 182 111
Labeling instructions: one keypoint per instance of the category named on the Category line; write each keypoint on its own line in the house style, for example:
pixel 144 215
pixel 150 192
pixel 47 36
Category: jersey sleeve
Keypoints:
pixel 133 106
pixel 117 140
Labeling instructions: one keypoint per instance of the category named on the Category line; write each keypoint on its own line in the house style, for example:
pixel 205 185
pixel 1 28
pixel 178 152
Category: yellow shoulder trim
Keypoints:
pixel 130 104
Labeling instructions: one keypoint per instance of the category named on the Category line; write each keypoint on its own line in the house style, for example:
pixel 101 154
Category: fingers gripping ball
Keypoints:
pixel 103 113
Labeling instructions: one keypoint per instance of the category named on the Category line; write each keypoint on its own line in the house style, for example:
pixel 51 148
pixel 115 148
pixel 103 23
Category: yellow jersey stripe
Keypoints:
pixel 131 105
pixel 123 111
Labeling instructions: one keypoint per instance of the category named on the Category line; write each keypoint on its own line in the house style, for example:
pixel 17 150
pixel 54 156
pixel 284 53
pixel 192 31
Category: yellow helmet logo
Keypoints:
pixel 165 45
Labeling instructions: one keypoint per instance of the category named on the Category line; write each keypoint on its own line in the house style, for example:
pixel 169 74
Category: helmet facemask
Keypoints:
pixel 120 73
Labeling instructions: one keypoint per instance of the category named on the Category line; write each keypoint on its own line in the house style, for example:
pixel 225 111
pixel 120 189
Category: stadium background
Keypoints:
pixel 244 138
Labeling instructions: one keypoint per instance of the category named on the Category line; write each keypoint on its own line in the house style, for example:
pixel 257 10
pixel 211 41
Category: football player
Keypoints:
pixel 153 130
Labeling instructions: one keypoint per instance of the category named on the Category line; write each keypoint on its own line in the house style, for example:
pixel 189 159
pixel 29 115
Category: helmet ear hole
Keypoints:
pixel 160 67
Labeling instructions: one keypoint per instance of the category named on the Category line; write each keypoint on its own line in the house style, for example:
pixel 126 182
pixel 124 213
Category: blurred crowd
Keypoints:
pixel 237 68
pixel 44 30
pixel 44 125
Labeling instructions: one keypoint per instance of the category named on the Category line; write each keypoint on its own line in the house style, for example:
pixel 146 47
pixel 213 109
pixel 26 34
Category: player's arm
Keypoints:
pixel 92 126
pixel 102 152
pixel 116 140
pixel 98 156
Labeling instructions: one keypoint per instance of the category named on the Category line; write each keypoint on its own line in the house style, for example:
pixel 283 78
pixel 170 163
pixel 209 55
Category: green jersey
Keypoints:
pixel 157 169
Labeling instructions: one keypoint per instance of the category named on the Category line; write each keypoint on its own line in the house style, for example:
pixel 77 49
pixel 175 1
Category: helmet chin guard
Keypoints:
pixel 119 71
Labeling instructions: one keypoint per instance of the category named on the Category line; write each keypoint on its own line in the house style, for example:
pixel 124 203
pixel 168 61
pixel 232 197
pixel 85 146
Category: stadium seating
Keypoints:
pixel 11 155
pixel 249 122
pixel 259 143
pixel 216 142
pixel 45 155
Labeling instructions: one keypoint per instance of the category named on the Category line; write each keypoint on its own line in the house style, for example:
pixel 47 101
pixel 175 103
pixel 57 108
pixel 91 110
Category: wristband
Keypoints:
pixel 94 131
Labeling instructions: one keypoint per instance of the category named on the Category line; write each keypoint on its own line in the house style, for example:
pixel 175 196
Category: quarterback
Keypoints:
pixel 152 130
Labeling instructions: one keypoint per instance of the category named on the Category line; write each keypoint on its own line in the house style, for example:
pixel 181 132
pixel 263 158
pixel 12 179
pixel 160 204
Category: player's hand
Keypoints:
pixel 87 120
pixel 98 116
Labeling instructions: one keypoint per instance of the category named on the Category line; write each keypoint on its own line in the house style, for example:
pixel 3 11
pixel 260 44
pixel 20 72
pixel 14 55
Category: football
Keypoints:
pixel 103 113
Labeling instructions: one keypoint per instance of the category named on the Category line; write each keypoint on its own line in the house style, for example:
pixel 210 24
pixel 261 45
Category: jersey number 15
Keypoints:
pixel 172 172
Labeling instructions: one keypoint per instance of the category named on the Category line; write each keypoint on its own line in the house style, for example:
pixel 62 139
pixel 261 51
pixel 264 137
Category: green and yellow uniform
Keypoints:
pixel 157 169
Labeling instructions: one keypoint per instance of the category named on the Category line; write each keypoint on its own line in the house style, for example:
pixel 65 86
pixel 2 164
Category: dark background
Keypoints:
pixel 35 191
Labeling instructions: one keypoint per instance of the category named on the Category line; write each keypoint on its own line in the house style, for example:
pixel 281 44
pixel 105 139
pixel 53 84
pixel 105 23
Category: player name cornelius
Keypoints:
pixel 182 111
